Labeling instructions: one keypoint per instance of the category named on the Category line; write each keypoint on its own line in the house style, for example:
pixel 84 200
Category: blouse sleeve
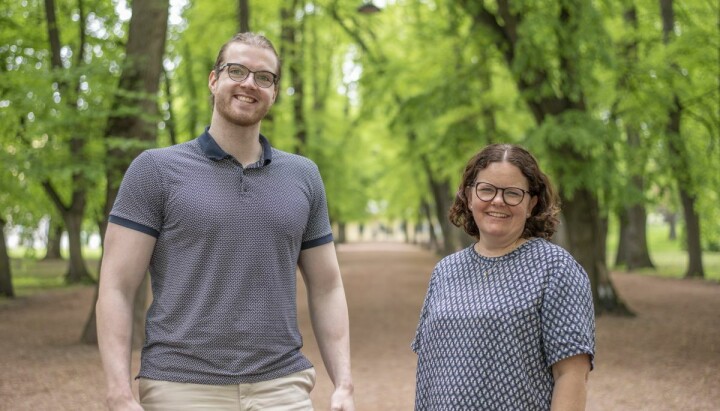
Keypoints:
pixel 416 344
pixel 568 317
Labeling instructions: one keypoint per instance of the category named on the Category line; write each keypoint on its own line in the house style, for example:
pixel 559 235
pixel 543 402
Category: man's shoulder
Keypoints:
pixel 174 150
pixel 175 154
pixel 281 157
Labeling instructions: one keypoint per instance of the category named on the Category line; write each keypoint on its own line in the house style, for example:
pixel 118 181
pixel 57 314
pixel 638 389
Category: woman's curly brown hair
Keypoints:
pixel 543 220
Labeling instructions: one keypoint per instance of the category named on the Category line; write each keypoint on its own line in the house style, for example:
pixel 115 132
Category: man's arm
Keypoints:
pixel 125 261
pixel 570 376
pixel 329 316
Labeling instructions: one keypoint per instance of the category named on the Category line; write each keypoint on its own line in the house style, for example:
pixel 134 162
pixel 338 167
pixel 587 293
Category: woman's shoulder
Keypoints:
pixel 552 256
pixel 457 258
pixel 541 249
pixel 546 247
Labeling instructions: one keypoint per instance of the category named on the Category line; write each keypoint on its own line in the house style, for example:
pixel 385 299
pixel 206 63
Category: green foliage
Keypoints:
pixel 390 99
pixel 589 164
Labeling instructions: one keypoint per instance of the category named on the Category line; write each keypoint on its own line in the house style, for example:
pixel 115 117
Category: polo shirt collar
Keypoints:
pixel 212 150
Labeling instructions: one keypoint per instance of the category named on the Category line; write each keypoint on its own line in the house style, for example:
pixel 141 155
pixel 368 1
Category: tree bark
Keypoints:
pixel 636 248
pixel 292 46
pixel 585 235
pixel 140 77
pixel 342 233
pixel 244 16
pixel 192 90
pixel 6 286
pixel 77 271
pixel 54 236
pixel 441 190
pixel 433 242
pixel 170 122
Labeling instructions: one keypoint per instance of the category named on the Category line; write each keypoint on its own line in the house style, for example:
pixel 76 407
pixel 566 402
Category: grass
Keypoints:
pixel 31 275
pixel 668 256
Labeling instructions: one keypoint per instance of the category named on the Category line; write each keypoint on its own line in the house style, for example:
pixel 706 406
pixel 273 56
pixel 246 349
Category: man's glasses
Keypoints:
pixel 239 73
pixel 512 196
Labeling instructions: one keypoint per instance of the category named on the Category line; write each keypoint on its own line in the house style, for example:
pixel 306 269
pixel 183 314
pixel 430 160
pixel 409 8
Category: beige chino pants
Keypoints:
pixel 289 393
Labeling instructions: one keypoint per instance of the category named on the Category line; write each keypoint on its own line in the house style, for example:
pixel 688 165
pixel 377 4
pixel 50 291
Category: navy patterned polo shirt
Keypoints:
pixel 491 328
pixel 223 271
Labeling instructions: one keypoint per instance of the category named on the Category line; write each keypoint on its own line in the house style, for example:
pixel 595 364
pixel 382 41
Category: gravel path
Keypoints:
pixel 666 358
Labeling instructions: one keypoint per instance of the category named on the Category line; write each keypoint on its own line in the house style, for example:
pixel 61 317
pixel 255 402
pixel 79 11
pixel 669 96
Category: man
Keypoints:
pixel 222 222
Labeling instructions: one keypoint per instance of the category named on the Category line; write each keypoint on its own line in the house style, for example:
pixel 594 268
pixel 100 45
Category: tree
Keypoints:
pixel 244 15
pixel 54 235
pixel 6 285
pixel 632 250
pixel 133 124
pixel 73 212
pixel 678 152
pixel 552 77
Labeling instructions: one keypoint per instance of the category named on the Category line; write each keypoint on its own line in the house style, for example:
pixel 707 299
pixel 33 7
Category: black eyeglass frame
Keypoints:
pixel 475 189
pixel 274 76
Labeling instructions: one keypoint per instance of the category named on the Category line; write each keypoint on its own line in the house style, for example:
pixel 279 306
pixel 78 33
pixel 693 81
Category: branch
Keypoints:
pixel 354 34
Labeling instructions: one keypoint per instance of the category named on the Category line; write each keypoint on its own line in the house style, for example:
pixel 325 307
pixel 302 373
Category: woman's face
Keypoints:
pixel 500 224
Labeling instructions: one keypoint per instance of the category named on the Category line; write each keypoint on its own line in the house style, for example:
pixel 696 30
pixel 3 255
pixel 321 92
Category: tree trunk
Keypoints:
pixel 6 286
pixel 73 213
pixel 585 234
pixel 140 78
pixel 621 254
pixel 433 242
pixel 637 254
pixel 54 236
pixel 692 230
pixel 244 16
pixel 77 269
pixel 671 219
pixel 342 233
pixel 191 87
pixel 292 45
pixel 678 152
pixel 170 122
pixel 443 202
pixel 632 250
pixel 632 247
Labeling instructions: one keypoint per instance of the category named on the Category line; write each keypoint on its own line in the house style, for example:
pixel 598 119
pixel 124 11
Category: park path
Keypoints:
pixel 666 358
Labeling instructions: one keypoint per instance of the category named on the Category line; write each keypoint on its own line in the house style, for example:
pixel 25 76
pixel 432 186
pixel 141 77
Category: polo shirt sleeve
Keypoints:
pixel 139 203
pixel 318 230
pixel 568 317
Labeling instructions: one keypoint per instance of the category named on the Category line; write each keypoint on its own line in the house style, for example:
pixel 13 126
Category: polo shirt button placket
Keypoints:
pixel 241 176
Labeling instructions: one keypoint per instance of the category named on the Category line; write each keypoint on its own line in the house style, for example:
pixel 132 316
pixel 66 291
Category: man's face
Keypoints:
pixel 243 103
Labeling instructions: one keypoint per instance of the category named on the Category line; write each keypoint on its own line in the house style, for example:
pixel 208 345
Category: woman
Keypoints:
pixel 508 323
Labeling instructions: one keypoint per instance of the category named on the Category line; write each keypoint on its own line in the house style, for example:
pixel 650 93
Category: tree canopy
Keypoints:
pixel 391 105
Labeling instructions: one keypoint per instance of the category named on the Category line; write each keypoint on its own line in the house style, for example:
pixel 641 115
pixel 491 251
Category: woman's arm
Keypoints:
pixel 570 389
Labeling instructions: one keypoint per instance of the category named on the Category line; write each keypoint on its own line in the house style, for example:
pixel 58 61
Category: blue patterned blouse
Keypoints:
pixel 491 328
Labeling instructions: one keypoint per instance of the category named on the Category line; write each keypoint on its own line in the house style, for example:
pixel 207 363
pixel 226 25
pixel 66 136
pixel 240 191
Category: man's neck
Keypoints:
pixel 243 143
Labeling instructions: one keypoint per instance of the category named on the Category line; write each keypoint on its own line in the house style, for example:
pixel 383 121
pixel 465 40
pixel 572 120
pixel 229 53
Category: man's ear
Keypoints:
pixel 212 81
